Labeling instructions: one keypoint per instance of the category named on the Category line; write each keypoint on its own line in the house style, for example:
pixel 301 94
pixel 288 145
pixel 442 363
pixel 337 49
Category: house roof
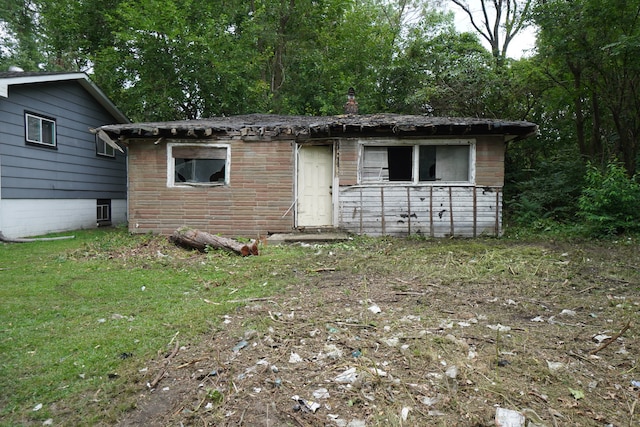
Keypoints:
pixel 13 78
pixel 266 126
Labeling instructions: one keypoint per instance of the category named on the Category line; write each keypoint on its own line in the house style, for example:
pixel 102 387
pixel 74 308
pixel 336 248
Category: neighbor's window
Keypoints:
pixel 198 165
pixel 40 130
pixel 103 211
pixel 416 163
pixel 104 149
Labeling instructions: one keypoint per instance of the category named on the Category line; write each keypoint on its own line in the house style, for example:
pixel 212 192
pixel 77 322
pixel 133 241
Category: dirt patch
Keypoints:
pixel 405 332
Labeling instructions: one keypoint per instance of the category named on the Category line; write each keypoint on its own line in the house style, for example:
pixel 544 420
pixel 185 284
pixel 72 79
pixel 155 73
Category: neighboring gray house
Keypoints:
pixel 55 175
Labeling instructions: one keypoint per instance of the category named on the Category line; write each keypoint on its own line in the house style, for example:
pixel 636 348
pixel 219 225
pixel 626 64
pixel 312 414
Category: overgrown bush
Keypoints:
pixel 545 193
pixel 610 201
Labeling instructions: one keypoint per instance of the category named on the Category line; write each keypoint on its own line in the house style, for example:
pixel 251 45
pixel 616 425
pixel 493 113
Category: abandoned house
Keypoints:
pixel 382 174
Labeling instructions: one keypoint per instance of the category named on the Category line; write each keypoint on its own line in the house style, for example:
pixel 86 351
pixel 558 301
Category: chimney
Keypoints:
pixel 351 107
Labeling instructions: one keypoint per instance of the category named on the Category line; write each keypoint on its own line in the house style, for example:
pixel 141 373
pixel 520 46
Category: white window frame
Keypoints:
pixel 32 138
pixel 103 149
pixel 171 183
pixel 470 142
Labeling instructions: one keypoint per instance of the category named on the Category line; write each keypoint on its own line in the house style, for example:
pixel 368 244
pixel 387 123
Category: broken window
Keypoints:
pixel 423 162
pixel 198 165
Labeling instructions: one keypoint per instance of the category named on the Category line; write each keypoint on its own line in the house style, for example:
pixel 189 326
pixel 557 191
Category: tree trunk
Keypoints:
pixel 200 240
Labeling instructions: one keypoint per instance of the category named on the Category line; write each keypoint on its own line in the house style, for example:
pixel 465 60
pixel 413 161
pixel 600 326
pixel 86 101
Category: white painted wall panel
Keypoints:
pixel 24 217
pixel 425 210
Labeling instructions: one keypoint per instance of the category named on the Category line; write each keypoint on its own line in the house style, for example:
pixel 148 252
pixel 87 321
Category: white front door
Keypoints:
pixel 315 180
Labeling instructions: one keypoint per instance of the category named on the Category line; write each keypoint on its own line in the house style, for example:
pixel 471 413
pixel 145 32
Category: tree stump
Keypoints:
pixel 200 240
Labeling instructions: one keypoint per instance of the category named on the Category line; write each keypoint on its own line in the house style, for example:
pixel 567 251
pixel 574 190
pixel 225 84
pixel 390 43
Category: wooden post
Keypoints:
pixel 451 212
pixel 382 204
pixel 361 209
pixel 431 231
pixel 497 226
pixel 475 211
pixel 409 210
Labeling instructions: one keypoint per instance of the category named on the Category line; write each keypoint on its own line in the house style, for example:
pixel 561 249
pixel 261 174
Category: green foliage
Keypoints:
pixel 542 189
pixel 610 201
pixel 440 71
pixel 597 70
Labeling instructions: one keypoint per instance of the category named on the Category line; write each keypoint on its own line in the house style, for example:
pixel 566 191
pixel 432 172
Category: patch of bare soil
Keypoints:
pixel 405 336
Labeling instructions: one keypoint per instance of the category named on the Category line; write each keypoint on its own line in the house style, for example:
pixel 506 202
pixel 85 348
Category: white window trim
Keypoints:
pixel 41 119
pixel 471 142
pixel 171 165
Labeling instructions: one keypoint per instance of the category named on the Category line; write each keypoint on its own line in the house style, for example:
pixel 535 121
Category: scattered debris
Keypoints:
pixel 612 339
pixel 306 405
pixel 577 394
pixel 242 344
pixel 455 353
pixel 509 418
pixel 375 309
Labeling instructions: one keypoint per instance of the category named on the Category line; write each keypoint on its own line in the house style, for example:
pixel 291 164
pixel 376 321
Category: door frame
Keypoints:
pixel 334 183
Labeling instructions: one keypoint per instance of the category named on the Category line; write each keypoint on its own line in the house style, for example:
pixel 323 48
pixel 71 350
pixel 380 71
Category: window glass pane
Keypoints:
pixel 33 129
pixel 48 132
pixel 452 163
pixel 375 165
pixel 199 170
pixel 104 149
pixel 427 163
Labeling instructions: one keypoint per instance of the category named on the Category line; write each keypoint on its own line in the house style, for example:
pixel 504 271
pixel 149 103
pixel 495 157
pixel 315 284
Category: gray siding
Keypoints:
pixel 71 171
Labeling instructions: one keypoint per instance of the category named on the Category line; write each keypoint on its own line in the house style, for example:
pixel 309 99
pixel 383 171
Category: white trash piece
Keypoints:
pixel 509 418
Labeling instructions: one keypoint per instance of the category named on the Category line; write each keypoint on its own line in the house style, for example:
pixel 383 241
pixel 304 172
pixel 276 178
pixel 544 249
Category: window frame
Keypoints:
pixel 103 205
pixel 41 118
pixel 101 143
pixel 415 160
pixel 171 183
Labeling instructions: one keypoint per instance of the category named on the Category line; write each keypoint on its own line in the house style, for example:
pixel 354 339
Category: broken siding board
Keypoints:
pixel 420 210
pixel 434 211
pixel 396 211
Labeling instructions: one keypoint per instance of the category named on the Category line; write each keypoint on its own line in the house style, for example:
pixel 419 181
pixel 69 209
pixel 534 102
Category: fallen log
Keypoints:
pixel 200 240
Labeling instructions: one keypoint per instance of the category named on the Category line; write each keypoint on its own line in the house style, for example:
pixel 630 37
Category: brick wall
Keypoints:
pixel 259 193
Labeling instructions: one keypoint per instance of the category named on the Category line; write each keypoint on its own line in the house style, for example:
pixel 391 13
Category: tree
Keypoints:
pixel 499 22
pixel 19 40
pixel 182 59
pixel 590 49
pixel 441 72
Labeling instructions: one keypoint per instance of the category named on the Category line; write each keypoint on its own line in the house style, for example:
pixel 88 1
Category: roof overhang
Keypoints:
pixel 274 127
pixel 22 78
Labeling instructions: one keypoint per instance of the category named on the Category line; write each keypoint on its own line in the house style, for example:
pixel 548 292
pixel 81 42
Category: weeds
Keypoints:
pixel 88 323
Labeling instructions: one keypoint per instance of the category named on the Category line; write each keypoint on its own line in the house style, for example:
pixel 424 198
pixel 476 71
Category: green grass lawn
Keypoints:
pixel 80 317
